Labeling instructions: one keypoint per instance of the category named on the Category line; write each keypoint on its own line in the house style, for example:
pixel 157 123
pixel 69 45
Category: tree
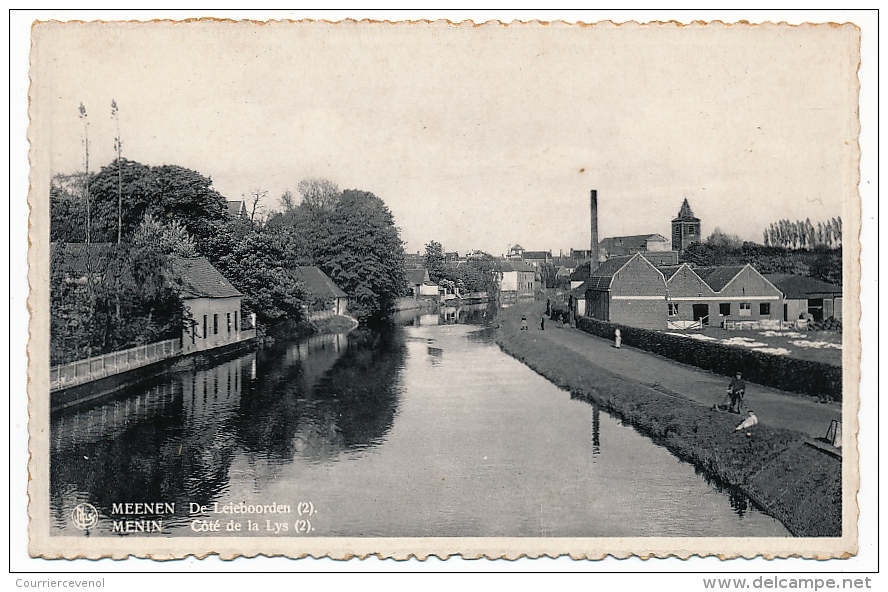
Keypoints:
pixel 721 238
pixel 170 238
pixel 359 247
pixel 318 194
pixel 167 192
pixel 255 263
pixel 434 260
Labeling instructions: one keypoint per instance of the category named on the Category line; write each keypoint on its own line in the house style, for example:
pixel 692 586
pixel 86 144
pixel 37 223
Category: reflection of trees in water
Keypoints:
pixel 294 409
pixel 149 460
pixel 173 444
pixel 315 399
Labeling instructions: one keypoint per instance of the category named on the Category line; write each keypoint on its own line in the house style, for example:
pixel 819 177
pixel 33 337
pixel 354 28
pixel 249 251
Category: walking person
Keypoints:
pixel 618 338
pixel 736 390
pixel 524 322
pixel 542 322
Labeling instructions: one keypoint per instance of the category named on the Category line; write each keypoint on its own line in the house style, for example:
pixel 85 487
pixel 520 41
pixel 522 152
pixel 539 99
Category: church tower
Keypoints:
pixel 685 228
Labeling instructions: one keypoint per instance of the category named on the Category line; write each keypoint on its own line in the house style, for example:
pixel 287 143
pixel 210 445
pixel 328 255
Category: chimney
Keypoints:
pixel 593 201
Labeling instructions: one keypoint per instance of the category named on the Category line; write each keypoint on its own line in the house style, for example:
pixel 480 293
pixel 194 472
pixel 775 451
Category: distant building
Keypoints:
pixel 655 248
pixel 515 252
pixel 414 260
pixel 803 295
pixel 537 258
pixel 685 228
pixel 238 209
pixel 517 278
pixel 419 283
pixel 325 298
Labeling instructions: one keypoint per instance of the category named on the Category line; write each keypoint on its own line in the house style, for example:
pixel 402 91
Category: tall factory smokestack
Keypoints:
pixel 593 200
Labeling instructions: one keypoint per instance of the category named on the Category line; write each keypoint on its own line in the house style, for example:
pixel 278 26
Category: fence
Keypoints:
pixel 90 369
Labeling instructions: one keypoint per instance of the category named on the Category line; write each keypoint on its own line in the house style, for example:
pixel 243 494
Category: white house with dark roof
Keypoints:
pixel 214 305
pixel 325 298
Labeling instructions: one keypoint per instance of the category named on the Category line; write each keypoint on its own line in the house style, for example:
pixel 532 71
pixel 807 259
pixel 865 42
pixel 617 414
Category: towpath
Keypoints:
pixel 773 407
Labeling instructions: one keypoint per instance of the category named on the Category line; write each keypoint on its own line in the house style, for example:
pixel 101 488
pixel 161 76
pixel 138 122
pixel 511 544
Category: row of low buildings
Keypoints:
pixel 632 290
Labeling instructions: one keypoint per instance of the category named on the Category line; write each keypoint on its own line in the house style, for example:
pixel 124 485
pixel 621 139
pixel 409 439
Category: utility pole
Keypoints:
pixel 118 145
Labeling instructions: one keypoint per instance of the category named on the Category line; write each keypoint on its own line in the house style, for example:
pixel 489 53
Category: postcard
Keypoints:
pixel 432 288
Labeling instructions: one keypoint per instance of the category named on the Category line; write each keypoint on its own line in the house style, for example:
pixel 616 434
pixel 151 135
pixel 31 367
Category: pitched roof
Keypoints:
pixel 516 266
pixel 417 276
pixel 685 213
pixel 669 270
pixel 317 283
pixel 626 245
pixel 800 286
pixel 601 278
pixel 718 276
pixel 537 254
pixel 562 272
pixel 201 280
pixel 237 208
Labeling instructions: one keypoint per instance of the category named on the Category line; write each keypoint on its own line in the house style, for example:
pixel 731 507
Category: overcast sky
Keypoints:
pixel 476 137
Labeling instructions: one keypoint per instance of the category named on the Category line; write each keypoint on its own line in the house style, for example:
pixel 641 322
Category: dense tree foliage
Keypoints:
pixel 256 263
pixel 110 297
pixel 433 260
pixel 822 264
pixel 354 240
pixel 802 234
pixel 167 193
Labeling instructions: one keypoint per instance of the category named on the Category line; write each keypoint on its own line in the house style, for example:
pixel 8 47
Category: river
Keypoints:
pixel 424 429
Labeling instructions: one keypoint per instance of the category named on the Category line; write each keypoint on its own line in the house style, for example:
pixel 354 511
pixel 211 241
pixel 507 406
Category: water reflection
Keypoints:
pixel 469 314
pixel 176 440
pixel 426 429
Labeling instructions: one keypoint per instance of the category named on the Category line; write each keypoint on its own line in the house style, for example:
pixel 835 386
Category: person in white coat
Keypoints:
pixel 751 420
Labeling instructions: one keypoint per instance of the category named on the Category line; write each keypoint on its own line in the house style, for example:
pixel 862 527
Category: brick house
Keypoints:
pixel 214 304
pixel 739 293
pixel 628 290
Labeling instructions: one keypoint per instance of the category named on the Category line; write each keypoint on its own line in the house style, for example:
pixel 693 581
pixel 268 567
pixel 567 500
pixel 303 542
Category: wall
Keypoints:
pixel 645 314
pixel 210 306
pixel 509 282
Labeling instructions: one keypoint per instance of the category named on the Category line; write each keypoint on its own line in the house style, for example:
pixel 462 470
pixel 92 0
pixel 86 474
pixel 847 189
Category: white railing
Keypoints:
pixel 90 369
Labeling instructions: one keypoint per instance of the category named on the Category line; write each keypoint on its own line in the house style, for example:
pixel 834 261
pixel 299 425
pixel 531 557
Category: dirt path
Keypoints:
pixel 773 407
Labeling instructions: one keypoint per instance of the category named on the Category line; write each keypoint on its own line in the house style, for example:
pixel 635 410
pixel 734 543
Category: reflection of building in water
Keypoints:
pixel 435 355
pixel 111 418
pixel 428 319
pixel 215 390
pixel 596 430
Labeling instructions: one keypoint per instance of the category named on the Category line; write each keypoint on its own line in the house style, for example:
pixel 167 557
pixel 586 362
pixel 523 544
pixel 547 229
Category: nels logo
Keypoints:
pixel 84 516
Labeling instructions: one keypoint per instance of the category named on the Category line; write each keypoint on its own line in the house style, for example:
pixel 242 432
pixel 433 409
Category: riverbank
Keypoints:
pixel 798 484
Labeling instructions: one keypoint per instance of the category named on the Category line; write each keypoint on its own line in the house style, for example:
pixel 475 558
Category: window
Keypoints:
pixel 724 309
pixel 204 327
pixel 745 309
pixel 215 324
pixel 765 309
pixel 673 309
pixel 236 326
pixel 228 320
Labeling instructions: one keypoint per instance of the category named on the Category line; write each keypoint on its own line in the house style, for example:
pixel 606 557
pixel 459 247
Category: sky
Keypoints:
pixel 477 137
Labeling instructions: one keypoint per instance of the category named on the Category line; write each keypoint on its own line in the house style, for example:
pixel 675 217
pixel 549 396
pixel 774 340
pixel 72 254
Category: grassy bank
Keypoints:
pixel 793 482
